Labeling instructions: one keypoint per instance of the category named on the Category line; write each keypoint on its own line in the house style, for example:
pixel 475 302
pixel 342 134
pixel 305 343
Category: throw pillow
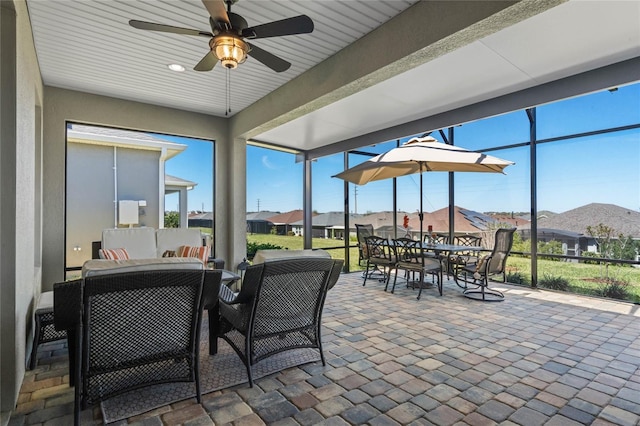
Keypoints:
pixel 114 254
pixel 201 252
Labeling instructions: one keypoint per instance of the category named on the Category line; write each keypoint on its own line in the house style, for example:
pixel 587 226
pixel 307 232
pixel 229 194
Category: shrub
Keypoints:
pixel 614 289
pixel 554 283
pixel 589 254
pixel 253 247
pixel 517 278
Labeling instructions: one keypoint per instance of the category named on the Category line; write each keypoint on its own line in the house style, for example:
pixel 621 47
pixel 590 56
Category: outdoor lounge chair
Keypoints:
pixel 489 266
pixel 278 308
pixel 131 330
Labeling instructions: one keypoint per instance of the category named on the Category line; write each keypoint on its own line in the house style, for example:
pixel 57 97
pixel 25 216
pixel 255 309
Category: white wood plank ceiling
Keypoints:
pixel 88 45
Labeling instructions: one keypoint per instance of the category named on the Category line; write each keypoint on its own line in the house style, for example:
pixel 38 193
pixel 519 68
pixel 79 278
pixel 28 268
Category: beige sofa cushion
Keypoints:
pixel 140 243
pixel 96 267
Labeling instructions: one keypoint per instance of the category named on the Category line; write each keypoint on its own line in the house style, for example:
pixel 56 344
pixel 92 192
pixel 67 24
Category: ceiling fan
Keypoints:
pixel 228 33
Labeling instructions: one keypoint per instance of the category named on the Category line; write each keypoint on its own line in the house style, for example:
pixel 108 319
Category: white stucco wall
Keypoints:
pixel 20 100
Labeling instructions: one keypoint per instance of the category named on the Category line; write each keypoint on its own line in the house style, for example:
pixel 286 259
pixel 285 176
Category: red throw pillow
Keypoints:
pixel 201 252
pixel 114 254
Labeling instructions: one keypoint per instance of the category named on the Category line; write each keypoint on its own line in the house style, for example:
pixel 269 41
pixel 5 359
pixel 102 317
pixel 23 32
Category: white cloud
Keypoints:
pixel 267 163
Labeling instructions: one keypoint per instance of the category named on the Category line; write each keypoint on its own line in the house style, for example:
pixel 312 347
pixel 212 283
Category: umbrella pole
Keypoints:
pixel 421 214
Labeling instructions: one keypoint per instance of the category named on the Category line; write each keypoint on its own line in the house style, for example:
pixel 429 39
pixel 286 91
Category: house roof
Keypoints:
pixel 97 135
pixel 287 218
pixel 175 181
pixel 262 215
pixel 328 220
pixel 622 220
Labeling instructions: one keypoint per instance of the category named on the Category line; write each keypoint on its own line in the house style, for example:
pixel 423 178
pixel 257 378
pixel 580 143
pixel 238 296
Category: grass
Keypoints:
pixel 582 278
pixel 297 243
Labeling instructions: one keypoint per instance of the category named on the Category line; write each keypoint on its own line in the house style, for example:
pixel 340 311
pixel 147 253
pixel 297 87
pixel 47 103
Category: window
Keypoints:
pixel 120 178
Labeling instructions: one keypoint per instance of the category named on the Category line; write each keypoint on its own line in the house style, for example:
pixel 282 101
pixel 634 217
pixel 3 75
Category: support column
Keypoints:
pixel 531 114
pixel 307 221
pixel 184 208
pixel 11 346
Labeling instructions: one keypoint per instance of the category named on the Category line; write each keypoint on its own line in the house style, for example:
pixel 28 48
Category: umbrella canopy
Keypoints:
pixel 422 155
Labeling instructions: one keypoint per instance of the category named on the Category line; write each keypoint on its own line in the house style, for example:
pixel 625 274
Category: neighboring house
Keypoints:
pixel 201 220
pixel 570 227
pixel 324 225
pixel 115 178
pixel 259 223
pixel 573 243
pixel 382 223
pixel 283 222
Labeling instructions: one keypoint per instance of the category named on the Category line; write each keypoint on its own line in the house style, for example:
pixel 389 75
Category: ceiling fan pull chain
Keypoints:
pixel 228 93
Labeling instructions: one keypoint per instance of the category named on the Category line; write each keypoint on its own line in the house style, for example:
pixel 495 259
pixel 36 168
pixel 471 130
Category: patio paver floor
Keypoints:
pixel 537 358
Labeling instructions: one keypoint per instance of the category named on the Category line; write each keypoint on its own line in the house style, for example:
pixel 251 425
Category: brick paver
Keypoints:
pixel 537 358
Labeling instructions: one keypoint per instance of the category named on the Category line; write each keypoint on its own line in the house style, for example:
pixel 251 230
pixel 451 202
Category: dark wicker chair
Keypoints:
pixel 278 308
pixel 411 259
pixel 487 267
pixel 134 330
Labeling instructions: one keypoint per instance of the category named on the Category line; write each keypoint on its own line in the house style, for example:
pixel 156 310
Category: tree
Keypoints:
pixel 171 220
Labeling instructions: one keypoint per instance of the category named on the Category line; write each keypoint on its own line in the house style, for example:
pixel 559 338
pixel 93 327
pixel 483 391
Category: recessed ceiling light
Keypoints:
pixel 176 67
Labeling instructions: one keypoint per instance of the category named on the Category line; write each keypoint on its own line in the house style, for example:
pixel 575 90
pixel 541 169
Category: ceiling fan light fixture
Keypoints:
pixel 230 50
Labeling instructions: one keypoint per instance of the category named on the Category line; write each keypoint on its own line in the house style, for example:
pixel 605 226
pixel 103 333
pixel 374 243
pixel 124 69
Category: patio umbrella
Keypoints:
pixel 422 155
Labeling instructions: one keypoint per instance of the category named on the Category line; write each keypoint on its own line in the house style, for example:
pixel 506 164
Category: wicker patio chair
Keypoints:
pixel 278 308
pixel 380 257
pixel 134 330
pixel 411 259
pixel 489 266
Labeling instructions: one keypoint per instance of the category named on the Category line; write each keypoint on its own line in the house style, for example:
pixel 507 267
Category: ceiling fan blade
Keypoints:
pixel 218 13
pixel 142 25
pixel 207 62
pixel 269 59
pixel 296 25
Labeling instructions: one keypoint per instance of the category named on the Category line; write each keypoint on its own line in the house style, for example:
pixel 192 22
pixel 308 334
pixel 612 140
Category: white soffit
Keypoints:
pixel 574 37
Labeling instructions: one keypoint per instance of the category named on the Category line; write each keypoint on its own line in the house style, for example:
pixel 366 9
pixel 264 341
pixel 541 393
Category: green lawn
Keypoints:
pixel 582 278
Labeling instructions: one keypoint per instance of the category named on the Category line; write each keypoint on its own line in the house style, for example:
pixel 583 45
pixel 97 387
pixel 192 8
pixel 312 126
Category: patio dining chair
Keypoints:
pixel 278 308
pixel 462 259
pixel 410 258
pixel 488 267
pixel 363 231
pixel 380 257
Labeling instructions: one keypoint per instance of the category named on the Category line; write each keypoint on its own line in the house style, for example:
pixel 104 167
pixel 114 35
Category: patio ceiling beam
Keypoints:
pixel 619 74
pixel 423 32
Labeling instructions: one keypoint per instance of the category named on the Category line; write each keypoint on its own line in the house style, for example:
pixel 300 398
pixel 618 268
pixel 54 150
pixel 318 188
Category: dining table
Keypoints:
pixel 441 249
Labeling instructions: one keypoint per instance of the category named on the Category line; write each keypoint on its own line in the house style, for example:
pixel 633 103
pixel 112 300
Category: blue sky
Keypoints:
pixel 599 168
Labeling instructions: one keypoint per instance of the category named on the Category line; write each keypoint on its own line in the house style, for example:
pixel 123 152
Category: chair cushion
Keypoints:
pixel 199 252
pixel 114 254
